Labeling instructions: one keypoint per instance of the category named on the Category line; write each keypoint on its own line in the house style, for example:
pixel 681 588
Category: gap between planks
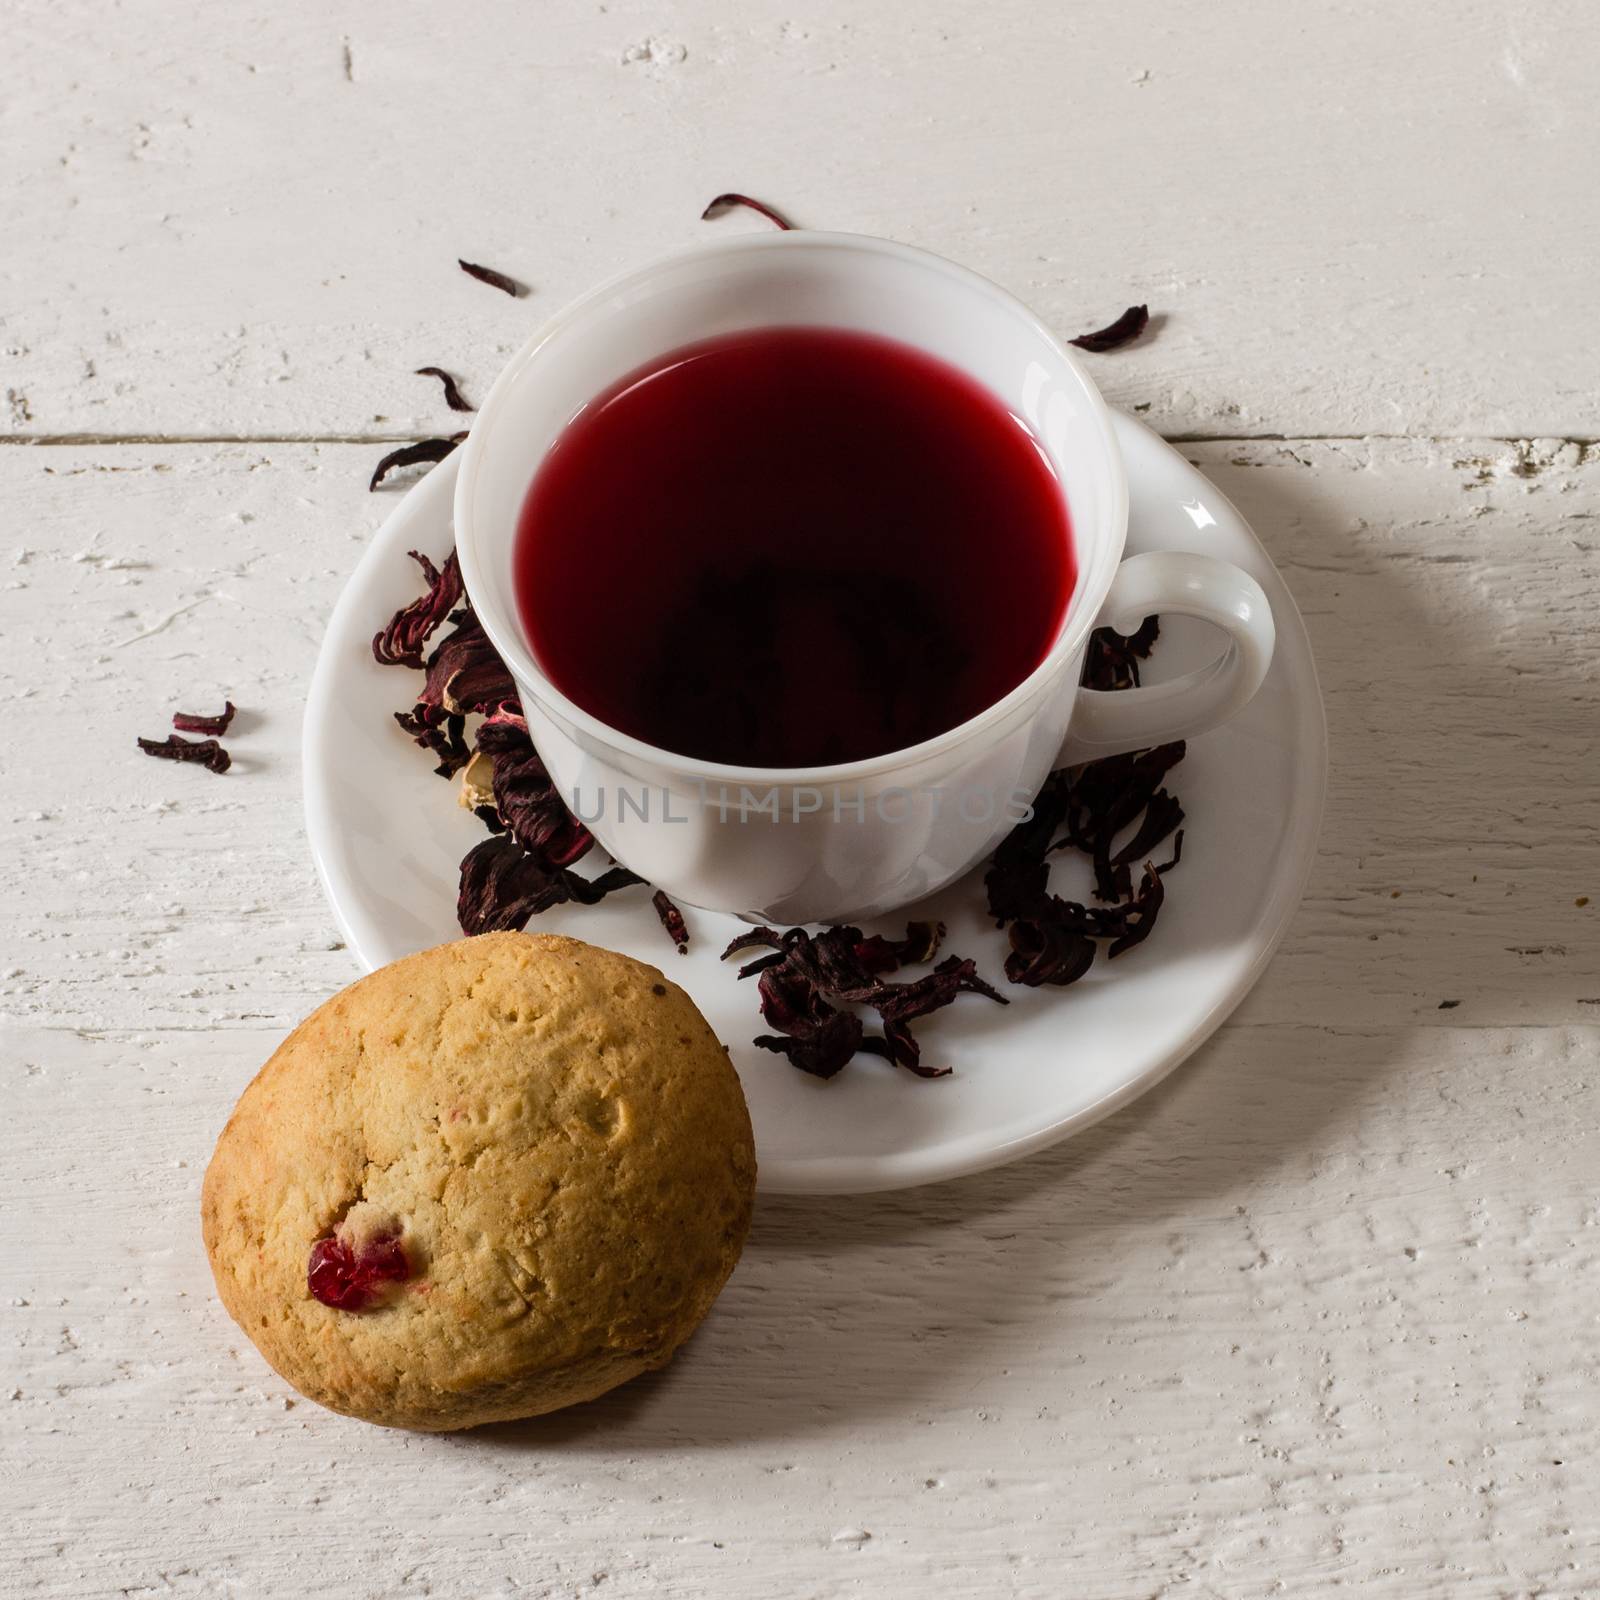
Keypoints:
pixel 1233 1025
pixel 51 440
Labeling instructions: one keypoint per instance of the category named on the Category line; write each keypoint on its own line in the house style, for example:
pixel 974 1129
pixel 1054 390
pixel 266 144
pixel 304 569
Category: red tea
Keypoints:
pixel 792 547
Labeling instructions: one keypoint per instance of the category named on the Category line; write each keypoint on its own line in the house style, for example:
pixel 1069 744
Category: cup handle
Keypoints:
pixel 1107 722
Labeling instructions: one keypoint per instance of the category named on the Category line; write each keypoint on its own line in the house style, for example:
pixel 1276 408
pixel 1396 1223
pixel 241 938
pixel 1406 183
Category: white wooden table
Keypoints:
pixel 1317 1316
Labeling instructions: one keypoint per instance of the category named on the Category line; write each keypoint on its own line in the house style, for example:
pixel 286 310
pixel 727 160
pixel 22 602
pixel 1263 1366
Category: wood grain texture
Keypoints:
pixel 1352 218
pixel 1299 1323
pixel 1311 1318
pixel 1317 1315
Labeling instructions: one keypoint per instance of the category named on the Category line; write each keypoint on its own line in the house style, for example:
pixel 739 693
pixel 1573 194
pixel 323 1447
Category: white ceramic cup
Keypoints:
pixel 844 842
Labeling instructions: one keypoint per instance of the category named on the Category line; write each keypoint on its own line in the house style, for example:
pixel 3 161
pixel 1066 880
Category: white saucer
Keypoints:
pixel 388 837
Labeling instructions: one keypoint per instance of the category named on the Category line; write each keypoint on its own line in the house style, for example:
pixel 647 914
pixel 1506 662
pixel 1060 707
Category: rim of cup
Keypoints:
pixel 497 612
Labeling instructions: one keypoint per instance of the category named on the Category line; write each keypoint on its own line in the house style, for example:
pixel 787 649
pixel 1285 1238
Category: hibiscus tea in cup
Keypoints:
pixel 792 547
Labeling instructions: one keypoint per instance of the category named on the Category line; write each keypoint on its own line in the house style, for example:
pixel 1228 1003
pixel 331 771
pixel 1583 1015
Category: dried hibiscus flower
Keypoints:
pixel 503 886
pixel 1126 328
pixel 188 722
pixel 464 676
pixel 400 644
pixel 525 797
pixel 901 1003
pixel 496 280
pixel 408 455
pixel 1108 796
pixel 443 736
pixel 1112 660
pixel 525 868
pixel 808 976
pixel 726 202
pixel 672 920
pixel 920 946
pixel 465 673
pixel 207 752
pixel 1053 940
pixel 1048 948
pixel 452 395
pixel 1019 872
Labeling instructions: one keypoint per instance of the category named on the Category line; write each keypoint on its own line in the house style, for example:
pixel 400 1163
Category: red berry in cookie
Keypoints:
pixel 351 1268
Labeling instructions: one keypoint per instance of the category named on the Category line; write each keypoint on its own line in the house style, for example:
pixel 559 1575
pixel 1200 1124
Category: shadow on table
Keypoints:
pixel 847 1311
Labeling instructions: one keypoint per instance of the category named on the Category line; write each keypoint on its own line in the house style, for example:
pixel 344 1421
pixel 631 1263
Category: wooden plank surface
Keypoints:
pixel 1353 217
pixel 1299 1323
pixel 1312 1315
pixel 1315 1316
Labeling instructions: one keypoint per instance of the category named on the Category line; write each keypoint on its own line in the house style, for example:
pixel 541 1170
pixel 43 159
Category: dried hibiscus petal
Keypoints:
pixel 815 1036
pixel 896 1044
pixel 400 644
pixel 351 1277
pixel 1048 949
pixel 444 736
pixel 726 202
pixel 1019 874
pixel 807 975
pixel 1053 940
pixel 525 868
pixel 1127 327
pixel 1162 816
pixel 452 395
pixel 465 673
pixel 504 886
pixel 1112 660
pixel 901 1003
pixel 496 280
pixel 188 722
pixel 1056 945
pixel 1110 795
pixel 826 961
pixel 525 795
pixel 409 455
pixel 672 920
pixel 1138 916
pixel 207 752
pixel 464 676
pixel 919 946
pixel 821 1045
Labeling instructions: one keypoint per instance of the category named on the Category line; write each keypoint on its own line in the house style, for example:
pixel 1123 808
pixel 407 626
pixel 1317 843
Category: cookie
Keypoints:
pixel 487 1181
